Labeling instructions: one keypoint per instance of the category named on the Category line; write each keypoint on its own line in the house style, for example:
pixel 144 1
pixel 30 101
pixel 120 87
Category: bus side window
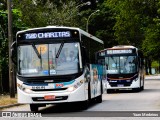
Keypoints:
pixel 85 55
pixel 101 61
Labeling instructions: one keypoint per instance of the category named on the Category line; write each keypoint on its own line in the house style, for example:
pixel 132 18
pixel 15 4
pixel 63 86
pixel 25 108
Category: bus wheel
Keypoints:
pixel 142 88
pixel 99 99
pixel 136 89
pixel 84 105
pixel 89 92
pixel 109 91
pixel 33 107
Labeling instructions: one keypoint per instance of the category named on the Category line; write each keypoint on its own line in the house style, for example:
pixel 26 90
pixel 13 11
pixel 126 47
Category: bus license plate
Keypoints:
pixel 120 85
pixel 49 97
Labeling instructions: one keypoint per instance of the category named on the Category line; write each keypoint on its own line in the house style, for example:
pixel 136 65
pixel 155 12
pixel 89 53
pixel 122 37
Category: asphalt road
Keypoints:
pixel 121 103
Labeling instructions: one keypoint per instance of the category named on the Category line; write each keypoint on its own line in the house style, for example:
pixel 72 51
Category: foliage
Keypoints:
pixel 101 24
pixel 36 14
pixel 137 23
pixel 151 43
pixel 155 64
pixel 129 18
pixel 152 34
pixel 17 23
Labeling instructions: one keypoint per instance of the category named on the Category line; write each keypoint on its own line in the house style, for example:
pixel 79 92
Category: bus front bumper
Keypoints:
pixel 49 97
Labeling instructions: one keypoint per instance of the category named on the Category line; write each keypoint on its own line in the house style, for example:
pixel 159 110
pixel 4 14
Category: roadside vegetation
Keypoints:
pixel 6 100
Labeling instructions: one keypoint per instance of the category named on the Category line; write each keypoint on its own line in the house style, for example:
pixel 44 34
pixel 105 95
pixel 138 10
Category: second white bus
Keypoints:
pixel 124 67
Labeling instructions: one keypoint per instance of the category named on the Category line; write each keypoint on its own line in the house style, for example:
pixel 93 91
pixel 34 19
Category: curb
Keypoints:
pixel 8 106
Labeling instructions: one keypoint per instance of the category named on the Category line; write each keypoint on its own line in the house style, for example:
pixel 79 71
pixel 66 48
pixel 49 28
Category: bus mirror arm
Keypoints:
pixel 13 52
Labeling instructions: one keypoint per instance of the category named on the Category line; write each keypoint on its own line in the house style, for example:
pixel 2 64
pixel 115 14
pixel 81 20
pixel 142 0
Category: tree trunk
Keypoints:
pixel 1 86
pixel 149 66
pixel 159 67
pixel 146 66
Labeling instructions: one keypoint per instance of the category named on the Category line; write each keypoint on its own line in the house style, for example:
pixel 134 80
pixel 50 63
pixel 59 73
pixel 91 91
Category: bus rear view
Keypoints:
pixel 124 67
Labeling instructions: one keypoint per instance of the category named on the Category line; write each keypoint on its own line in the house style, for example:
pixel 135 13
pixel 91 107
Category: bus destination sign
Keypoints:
pixel 42 35
pixel 119 51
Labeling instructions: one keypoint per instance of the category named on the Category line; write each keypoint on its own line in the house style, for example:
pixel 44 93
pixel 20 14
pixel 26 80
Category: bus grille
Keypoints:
pixel 58 98
pixel 44 90
pixel 120 82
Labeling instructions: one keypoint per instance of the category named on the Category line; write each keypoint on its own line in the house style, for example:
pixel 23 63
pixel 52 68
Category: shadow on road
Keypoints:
pixel 148 90
pixel 123 91
pixel 65 108
pixel 151 90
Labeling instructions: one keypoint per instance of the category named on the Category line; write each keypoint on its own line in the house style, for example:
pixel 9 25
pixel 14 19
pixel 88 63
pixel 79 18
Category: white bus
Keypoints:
pixel 57 65
pixel 124 67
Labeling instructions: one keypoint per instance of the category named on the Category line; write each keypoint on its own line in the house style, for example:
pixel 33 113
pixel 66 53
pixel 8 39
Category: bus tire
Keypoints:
pixel 136 89
pixel 89 92
pixel 142 87
pixel 33 107
pixel 109 91
pixel 84 105
pixel 99 99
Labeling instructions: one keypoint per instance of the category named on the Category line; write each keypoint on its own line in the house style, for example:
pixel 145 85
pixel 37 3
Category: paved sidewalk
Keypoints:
pixel 156 76
pixel 8 106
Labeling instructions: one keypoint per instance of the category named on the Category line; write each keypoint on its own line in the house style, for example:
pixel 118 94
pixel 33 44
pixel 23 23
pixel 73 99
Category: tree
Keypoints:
pixel 36 14
pixel 103 23
pixel 100 24
pixel 135 25
pixel 129 21
pixel 152 34
pixel 17 23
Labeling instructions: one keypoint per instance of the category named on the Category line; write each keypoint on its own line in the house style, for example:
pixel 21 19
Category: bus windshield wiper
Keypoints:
pixel 59 50
pixel 36 51
pixel 38 54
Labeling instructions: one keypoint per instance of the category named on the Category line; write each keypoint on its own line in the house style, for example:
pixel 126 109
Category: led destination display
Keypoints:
pixel 119 51
pixel 63 34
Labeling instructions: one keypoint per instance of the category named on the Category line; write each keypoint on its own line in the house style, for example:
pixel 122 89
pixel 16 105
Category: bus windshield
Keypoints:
pixel 48 59
pixel 121 64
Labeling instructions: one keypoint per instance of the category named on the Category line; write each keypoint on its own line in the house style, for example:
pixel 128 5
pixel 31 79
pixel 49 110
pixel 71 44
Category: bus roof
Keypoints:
pixel 118 47
pixel 123 46
pixel 71 28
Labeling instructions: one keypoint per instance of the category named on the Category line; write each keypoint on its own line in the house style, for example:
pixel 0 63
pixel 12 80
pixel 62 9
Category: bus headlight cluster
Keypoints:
pixel 75 86
pixel 26 90
pixel 136 79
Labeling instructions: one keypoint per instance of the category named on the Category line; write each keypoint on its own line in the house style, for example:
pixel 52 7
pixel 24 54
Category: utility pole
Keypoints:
pixel 89 18
pixel 10 40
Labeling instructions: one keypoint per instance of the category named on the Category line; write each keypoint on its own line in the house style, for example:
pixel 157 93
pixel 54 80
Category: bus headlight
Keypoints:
pixel 75 86
pixel 27 90
pixel 136 79
pixel 71 88
pixel 21 87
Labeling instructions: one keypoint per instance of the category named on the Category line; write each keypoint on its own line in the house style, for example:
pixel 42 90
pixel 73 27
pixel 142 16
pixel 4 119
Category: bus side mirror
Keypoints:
pixel 14 52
